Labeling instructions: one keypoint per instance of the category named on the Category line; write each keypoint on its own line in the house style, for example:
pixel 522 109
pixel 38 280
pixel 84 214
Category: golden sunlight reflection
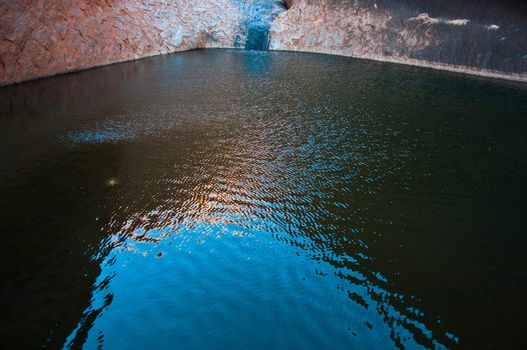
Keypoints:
pixel 215 214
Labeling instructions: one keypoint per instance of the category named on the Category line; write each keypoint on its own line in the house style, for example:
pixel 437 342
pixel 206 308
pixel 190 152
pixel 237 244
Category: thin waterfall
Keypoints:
pixel 260 15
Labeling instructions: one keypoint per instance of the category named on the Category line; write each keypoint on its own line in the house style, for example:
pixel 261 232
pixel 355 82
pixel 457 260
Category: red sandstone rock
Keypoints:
pixel 39 38
pixel 364 30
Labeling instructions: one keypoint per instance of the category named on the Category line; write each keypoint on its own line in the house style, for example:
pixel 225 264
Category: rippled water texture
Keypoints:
pixel 240 200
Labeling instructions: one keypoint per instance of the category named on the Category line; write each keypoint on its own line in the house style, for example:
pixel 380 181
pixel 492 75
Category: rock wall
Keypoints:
pixel 479 37
pixel 40 38
pixel 44 37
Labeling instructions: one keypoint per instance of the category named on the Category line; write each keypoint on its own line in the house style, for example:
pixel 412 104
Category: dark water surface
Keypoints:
pixel 250 200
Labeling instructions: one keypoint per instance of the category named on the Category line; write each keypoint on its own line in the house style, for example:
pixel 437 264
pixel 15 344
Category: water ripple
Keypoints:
pixel 233 199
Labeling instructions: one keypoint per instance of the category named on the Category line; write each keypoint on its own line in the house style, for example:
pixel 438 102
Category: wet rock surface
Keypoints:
pixel 259 15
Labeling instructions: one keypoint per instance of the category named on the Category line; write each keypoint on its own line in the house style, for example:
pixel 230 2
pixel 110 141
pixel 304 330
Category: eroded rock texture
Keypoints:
pixel 39 38
pixel 482 37
pixel 44 37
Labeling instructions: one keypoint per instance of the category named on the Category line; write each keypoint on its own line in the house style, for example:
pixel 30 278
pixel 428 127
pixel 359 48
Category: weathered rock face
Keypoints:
pixel 39 38
pixel 485 37
pixel 45 37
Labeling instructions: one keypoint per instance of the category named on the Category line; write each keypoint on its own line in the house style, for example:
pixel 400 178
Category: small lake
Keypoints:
pixel 225 199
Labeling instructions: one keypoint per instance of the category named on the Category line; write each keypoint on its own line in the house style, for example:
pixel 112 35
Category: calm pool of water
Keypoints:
pixel 238 200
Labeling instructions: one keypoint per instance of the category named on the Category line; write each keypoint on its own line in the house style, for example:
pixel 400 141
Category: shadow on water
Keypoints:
pixel 242 199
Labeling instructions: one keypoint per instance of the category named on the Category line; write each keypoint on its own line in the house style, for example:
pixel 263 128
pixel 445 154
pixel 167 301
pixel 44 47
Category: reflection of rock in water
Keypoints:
pixel 259 15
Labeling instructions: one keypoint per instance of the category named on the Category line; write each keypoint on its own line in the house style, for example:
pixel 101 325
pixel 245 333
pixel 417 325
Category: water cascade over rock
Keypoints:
pixel 259 17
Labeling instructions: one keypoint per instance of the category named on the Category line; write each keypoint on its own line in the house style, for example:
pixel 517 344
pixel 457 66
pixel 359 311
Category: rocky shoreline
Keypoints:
pixel 44 38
